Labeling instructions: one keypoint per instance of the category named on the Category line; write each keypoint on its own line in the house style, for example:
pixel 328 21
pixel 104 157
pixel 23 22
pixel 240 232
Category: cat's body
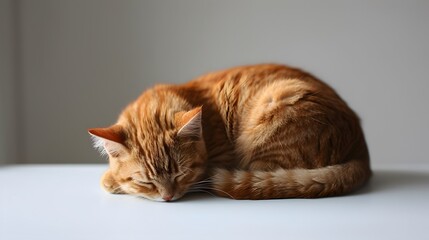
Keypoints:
pixel 253 132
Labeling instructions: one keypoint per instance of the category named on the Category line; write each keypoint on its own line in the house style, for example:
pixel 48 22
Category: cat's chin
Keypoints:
pixel 158 199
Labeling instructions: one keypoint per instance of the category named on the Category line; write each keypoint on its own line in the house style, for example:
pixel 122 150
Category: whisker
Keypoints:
pixel 199 187
pixel 202 191
pixel 206 181
pixel 205 188
pixel 215 189
pixel 202 184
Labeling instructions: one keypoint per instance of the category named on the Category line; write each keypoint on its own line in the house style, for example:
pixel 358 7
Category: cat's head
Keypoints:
pixel 158 156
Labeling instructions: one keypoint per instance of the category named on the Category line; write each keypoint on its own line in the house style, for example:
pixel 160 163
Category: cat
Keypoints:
pixel 251 132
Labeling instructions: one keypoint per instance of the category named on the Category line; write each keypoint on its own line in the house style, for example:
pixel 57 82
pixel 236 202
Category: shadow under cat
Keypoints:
pixel 384 181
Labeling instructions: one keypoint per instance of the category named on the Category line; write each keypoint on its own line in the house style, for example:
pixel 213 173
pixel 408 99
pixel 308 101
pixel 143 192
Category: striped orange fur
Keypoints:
pixel 252 132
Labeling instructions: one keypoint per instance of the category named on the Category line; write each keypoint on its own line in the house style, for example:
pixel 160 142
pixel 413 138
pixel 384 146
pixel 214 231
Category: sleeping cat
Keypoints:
pixel 252 132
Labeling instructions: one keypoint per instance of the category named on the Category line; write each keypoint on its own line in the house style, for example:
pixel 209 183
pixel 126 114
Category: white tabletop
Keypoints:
pixel 66 202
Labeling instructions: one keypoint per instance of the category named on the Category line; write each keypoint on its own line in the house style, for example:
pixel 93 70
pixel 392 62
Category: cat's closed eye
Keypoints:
pixel 179 177
pixel 142 183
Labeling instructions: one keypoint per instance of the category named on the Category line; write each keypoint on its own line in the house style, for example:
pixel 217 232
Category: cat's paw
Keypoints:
pixel 109 184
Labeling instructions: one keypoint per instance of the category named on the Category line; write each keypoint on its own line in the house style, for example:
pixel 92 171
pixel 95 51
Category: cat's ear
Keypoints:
pixel 109 140
pixel 189 123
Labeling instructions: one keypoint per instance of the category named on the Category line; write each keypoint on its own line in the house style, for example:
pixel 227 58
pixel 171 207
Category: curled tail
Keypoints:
pixel 292 183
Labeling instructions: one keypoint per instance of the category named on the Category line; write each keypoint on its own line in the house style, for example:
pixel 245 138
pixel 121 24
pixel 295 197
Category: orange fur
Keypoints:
pixel 263 131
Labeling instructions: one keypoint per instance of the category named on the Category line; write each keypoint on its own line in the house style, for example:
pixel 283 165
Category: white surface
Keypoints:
pixel 65 202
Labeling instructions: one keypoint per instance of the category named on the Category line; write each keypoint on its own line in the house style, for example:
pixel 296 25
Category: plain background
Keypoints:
pixel 66 66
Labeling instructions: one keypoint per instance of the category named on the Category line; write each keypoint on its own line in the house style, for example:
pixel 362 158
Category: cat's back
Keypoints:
pixel 251 75
pixel 257 102
pixel 238 90
pixel 238 84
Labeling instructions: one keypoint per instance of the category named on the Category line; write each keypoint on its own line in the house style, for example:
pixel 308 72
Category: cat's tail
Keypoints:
pixel 291 183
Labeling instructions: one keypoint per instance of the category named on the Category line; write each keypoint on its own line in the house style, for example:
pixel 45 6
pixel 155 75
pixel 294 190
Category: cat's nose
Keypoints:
pixel 167 198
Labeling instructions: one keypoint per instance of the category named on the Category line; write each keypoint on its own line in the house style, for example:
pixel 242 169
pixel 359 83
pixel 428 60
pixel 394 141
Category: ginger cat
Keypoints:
pixel 252 132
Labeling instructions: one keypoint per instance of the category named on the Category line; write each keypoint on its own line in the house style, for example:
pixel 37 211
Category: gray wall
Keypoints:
pixel 8 127
pixel 82 61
